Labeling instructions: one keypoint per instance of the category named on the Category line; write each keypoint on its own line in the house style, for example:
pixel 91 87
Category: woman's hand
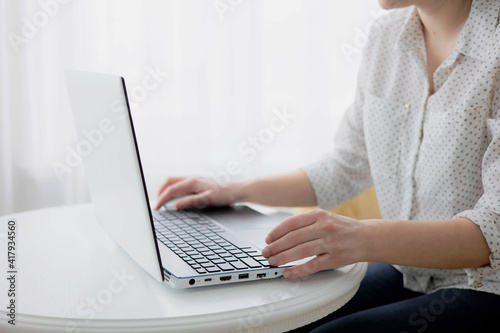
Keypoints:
pixel 197 192
pixel 335 241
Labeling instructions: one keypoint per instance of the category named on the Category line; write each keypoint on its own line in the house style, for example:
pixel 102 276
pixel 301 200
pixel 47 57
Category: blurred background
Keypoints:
pixel 227 89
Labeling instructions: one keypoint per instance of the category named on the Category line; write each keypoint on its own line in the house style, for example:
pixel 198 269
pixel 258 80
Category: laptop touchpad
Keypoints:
pixel 244 221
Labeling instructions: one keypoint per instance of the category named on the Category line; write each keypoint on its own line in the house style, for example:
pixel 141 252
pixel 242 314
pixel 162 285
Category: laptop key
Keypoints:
pixel 225 267
pixel 251 263
pixel 207 264
pixel 264 263
pixel 212 257
pixel 238 265
pixel 202 261
pixel 203 240
pixel 188 221
pixel 212 269
pixel 219 261
pixel 196 256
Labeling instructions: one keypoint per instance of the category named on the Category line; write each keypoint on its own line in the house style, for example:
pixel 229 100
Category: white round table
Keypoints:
pixel 71 277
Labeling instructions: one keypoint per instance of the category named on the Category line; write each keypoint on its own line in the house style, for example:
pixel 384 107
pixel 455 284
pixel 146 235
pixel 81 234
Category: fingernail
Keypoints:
pixel 287 274
pixel 268 239
pixel 272 261
pixel 265 252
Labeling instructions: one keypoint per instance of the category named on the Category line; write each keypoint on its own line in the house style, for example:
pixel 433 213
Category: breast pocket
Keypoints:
pixel 465 125
pixel 384 125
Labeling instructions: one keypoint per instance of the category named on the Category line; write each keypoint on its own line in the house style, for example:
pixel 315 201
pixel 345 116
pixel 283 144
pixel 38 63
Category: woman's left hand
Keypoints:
pixel 335 240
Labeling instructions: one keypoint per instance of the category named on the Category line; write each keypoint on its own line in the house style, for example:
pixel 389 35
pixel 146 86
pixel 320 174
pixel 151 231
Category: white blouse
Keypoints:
pixel 429 157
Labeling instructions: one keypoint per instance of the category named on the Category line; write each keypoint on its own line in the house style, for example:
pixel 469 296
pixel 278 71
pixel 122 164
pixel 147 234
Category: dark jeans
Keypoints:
pixel 382 304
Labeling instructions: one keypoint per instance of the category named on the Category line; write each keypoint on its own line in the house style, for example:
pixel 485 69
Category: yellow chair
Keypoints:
pixel 363 207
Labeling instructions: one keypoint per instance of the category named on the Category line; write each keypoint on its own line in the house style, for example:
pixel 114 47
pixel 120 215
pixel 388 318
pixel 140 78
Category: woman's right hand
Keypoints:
pixel 196 192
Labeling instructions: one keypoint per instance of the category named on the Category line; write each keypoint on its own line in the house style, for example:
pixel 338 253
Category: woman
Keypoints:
pixel 425 130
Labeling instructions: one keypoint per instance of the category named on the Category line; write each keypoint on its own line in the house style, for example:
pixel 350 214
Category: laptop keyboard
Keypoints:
pixel 196 240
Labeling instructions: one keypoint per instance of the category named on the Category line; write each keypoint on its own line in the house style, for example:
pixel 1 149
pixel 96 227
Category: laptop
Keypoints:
pixel 185 249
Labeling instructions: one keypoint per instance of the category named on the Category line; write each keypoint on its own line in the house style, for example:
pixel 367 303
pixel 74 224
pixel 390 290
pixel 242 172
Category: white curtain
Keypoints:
pixel 228 89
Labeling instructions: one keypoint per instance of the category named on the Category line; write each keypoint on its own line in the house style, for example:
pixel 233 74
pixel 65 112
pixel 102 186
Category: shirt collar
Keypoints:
pixel 479 29
pixel 411 37
pixel 474 40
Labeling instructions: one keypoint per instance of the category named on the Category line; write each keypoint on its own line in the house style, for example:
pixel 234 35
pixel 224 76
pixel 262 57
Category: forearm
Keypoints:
pixel 446 244
pixel 288 190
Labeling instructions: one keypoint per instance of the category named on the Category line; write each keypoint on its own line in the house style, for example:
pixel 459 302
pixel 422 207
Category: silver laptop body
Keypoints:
pixel 234 236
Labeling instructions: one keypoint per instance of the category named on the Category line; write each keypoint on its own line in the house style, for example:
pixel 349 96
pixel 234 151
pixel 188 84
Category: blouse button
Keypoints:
pixel 477 108
pixel 407 106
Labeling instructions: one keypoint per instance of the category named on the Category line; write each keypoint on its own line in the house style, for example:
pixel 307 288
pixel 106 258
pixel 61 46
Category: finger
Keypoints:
pixel 314 265
pixel 185 186
pixel 301 251
pixel 290 240
pixel 200 200
pixel 167 183
pixel 291 223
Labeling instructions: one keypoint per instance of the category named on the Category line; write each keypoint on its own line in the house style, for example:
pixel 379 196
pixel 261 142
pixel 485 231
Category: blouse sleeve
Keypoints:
pixel 486 213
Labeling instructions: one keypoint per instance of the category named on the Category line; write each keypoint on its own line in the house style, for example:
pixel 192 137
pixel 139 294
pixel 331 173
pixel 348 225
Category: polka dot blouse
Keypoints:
pixel 429 157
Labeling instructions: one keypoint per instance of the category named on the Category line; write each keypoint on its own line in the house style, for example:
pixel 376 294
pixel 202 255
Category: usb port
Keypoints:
pixel 225 278
pixel 243 276
pixel 208 280
pixel 261 275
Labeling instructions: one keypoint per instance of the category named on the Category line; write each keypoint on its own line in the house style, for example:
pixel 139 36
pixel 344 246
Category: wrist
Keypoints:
pixel 240 191
pixel 370 240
